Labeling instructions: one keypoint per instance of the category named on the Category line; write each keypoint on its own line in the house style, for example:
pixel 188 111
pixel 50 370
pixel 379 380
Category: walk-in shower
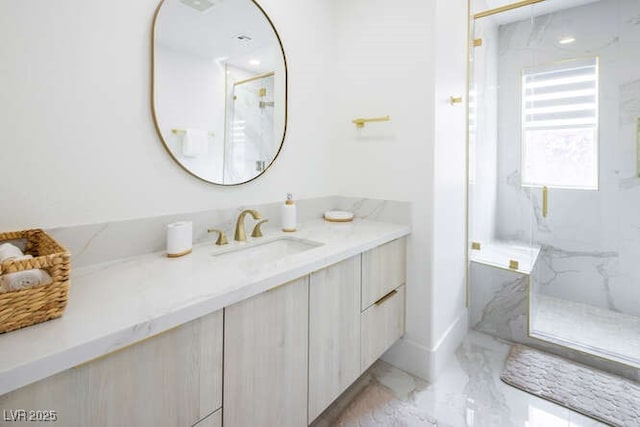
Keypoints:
pixel 251 139
pixel 554 181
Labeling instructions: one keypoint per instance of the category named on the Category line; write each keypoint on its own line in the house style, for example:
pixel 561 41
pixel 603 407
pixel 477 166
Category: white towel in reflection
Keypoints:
pixel 195 143
pixel 24 279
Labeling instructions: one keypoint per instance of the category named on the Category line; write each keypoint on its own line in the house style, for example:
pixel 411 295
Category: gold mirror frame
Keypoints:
pixel 153 100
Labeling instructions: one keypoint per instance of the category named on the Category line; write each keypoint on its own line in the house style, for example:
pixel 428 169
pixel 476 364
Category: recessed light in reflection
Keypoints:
pixel 567 40
pixel 254 62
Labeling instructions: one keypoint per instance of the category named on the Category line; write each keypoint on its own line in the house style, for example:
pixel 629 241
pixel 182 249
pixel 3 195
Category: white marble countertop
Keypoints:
pixel 118 303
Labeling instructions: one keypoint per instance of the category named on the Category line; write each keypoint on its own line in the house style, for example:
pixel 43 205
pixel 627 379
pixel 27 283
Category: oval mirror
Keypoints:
pixel 219 88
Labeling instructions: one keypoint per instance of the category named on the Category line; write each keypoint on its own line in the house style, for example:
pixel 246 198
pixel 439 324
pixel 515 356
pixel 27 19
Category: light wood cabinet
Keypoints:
pixel 383 270
pixel 172 379
pixel 288 354
pixel 334 332
pixel 213 420
pixel 265 358
pixel 381 326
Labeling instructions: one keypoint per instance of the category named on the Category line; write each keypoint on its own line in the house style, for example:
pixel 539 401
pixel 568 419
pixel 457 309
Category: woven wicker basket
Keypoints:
pixel 37 304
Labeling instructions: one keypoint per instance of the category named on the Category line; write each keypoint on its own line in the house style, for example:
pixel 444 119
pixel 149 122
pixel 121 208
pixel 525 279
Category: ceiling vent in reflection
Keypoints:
pixel 243 38
pixel 199 5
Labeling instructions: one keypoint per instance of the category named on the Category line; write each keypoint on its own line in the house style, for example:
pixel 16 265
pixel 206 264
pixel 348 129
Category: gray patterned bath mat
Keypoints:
pixel 605 397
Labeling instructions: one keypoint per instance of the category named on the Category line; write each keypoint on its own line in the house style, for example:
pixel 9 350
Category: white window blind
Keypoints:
pixel 560 125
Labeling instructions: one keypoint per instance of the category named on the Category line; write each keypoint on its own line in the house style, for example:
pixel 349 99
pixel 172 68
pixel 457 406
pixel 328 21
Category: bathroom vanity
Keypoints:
pixel 237 336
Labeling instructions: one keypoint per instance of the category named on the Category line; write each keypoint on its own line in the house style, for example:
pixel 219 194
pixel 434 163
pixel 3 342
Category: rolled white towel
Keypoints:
pixel 9 251
pixel 24 279
pixel 195 143
pixel 19 258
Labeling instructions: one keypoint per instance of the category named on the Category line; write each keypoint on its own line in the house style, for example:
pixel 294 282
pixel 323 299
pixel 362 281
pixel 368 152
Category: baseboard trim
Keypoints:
pixel 446 347
pixel 423 362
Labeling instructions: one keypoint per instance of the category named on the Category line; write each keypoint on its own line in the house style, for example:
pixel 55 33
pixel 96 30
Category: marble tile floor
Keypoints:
pixel 468 393
pixel 588 328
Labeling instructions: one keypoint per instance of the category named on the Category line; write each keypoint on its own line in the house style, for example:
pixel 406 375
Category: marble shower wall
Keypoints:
pixel 499 306
pixel 590 239
pixel 498 303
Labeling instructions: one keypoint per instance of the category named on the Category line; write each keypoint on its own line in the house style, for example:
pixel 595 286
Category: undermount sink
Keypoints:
pixel 260 252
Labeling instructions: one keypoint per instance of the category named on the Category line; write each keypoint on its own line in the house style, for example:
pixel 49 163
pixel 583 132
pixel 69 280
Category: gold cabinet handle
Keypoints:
pixel 386 297
pixel 222 238
pixel 453 100
pixel 545 201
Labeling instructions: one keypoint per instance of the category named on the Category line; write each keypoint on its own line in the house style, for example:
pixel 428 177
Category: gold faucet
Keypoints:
pixel 222 238
pixel 257 231
pixel 241 235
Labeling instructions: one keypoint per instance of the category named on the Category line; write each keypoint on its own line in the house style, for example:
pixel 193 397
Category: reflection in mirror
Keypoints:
pixel 219 88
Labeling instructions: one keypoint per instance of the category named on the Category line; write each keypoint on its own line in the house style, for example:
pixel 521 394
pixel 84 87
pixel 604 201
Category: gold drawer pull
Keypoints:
pixel 386 297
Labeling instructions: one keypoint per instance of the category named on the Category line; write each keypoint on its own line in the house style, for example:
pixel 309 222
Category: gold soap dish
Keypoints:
pixel 338 216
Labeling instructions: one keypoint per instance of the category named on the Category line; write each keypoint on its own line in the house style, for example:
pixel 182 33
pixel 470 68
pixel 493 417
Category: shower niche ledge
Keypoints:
pixel 513 256
pixel 518 304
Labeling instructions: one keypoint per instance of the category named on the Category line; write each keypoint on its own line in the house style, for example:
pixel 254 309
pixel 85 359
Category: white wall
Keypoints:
pixel 449 201
pixel 77 126
pixel 78 140
pixel 192 95
pixel 389 58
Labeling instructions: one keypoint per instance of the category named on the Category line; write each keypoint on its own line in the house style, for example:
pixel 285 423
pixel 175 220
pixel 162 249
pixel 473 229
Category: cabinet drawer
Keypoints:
pixel 381 326
pixel 383 269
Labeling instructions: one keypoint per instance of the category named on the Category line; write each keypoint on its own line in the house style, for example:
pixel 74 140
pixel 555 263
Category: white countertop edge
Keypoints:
pixel 17 376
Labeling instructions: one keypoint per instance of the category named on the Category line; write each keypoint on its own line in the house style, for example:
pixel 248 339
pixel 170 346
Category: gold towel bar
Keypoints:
pixel 360 122
pixel 177 131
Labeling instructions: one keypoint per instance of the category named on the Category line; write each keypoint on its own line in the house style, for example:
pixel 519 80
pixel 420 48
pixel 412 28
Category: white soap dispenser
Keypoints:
pixel 289 214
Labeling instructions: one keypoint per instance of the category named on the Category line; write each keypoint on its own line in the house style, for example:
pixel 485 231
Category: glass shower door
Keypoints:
pixel 554 183
pixel 501 252
pixel 500 223
pixel 583 94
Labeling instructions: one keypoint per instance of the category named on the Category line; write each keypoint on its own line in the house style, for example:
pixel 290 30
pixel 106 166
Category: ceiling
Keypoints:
pixel 217 32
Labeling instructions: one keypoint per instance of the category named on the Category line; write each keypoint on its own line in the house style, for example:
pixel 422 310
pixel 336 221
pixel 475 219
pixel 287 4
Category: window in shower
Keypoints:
pixel 560 125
